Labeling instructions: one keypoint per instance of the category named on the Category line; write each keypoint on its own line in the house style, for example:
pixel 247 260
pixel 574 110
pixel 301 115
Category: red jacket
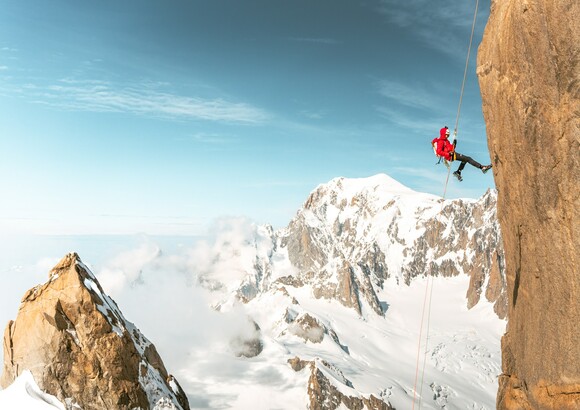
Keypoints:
pixel 443 147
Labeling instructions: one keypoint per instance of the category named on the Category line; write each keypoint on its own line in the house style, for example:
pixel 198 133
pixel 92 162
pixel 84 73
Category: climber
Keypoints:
pixel 446 150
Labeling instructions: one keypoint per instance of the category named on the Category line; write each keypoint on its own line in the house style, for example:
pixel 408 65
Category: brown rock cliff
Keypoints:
pixel 529 74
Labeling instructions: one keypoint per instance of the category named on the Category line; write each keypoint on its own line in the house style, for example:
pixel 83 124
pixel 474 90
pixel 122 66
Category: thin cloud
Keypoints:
pixel 270 184
pixel 313 115
pixel 404 94
pixel 425 14
pixel 444 26
pixel 404 121
pixel 315 40
pixel 212 139
pixel 429 180
pixel 423 173
pixel 99 96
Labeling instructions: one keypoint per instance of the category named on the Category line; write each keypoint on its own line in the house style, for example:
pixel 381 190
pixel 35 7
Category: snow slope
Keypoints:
pixel 462 356
pixel 25 394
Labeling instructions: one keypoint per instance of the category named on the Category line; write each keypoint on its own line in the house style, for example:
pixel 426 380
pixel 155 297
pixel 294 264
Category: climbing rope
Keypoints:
pixel 465 71
pixel 430 281
pixel 428 291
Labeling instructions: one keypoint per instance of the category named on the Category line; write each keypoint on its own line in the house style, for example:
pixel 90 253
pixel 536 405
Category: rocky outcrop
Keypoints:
pixel 248 345
pixel 307 327
pixel 328 388
pixel 78 346
pixel 529 74
pixel 310 329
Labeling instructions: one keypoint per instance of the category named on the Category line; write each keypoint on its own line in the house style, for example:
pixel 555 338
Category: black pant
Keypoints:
pixel 464 159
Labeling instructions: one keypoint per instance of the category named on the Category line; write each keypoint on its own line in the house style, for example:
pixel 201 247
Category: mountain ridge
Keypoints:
pixel 353 232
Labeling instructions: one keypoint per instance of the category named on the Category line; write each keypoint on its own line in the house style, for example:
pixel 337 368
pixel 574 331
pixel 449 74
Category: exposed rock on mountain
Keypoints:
pixel 78 346
pixel 248 345
pixel 351 236
pixel 328 389
pixel 308 328
pixel 529 74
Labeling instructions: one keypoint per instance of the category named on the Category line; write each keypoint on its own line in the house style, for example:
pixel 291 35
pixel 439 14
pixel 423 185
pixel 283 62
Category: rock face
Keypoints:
pixel 323 393
pixel 529 74
pixel 79 347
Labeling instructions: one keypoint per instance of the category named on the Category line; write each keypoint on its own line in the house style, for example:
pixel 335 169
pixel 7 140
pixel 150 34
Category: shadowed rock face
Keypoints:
pixel 529 74
pixel 80 348
pixel 328 388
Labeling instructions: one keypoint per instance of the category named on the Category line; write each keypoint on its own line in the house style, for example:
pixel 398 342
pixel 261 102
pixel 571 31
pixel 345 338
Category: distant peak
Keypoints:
pixel 381 184
pixel 382 181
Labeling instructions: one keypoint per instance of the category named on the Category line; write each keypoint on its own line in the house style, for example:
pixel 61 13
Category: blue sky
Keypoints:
pixel 158 117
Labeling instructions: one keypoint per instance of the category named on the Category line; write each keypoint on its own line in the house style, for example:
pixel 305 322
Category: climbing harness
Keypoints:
pixel 429 286
pixel 445 162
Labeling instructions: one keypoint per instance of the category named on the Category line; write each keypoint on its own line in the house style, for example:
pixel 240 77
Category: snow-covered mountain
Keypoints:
pixel 351 235
pixel 324 294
